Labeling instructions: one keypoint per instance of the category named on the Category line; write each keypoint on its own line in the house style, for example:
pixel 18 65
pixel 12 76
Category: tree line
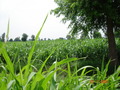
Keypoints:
pixel 24 38
pixel 83 35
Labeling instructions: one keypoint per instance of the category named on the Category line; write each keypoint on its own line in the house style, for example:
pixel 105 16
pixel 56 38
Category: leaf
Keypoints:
pixel 10 84
pixel 83 68
pixel 63 62
pixel 8 61
pixel 32 49
pixel 48 77
pixel 8 27
pixel 29 78
pixel 1 46
pixel 53 84
pixel 69 72
pixel 39 75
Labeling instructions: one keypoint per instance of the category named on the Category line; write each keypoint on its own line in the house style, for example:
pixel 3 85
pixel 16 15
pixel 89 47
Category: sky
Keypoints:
pixel 26 16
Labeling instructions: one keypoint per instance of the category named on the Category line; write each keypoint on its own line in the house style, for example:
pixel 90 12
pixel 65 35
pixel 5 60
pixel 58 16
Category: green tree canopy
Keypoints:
pixel 3 37
pixel 117 33
pixel 17 39
pixel 68 36
pixel 96 34
pixel 87 15
pixel 33 37
pixel 24 37
pixel 11 40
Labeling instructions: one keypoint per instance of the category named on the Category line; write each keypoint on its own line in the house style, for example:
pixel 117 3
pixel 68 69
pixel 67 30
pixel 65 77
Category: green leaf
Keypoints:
pixel 83 68
pixel 1 47
pixel 63 62
pixel 53 84
pixel 39 75
pixel 8 61
pixel 69 72
pixel 32 49
pixel 10 84
pixel 8 27
pixel 48 77
pixel 29 78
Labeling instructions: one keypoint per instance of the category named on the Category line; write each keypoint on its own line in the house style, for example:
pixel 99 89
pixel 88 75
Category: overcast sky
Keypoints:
pixel 26 16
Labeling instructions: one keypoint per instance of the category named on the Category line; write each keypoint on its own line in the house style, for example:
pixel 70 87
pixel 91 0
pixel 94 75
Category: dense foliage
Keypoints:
pixel 32 77
pixel 93 49
pixel 24 37
pixel 88 16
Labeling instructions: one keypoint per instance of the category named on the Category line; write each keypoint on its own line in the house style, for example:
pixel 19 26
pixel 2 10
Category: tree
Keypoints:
pixel 84 35
pixel 68 36
pixel 96 34
pixel 117 33
pixel 89 15
pixel 49 39
pixel 24 37
pixel 3 37
pixel 0 39
pixel 11 40
pixel 61 38
pixel 17 39
pixel 45 39
pixel 33 37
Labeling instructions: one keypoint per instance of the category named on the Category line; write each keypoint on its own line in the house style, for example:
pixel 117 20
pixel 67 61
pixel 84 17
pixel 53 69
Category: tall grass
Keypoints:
pixel 55 76
pixel 64 49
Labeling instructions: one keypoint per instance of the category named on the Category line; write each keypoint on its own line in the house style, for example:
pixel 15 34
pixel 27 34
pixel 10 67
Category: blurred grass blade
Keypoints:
pixel 9 66
pixel 8 61
pixel 36 39
pixel 1 46
pixel 10 84
pixel 69 72
pixel 29 78
pixel 39 73
pixel 32 49
pixel 53 84
pixel 8 29
pixel 83 68
pixel 63 62
pixel 49 77
pixel 104 72
pixel 41 68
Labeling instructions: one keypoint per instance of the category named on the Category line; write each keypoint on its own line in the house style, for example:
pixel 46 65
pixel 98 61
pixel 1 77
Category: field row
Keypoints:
pixel 95 50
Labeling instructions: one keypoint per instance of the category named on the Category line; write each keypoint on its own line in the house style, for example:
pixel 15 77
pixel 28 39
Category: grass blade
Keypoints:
pixel 8 28
pixel 39 73
pixel 8 61
pixel 32 49
pixel 63 62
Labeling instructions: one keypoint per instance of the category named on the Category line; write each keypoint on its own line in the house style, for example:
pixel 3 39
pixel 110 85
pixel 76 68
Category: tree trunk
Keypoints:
pixel 111 43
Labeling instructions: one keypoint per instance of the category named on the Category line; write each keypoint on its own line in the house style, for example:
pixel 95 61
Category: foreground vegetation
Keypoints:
pixel 18 51
pixel 57 64
pixel 93 49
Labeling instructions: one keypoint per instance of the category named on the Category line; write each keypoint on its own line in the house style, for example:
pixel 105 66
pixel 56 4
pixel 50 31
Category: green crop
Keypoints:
pixel 94 50
pixel 56 65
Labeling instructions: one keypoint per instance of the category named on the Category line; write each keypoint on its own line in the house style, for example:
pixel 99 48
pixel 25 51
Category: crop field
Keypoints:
pixel 57 65
pixel 92 50
pixel 91 62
